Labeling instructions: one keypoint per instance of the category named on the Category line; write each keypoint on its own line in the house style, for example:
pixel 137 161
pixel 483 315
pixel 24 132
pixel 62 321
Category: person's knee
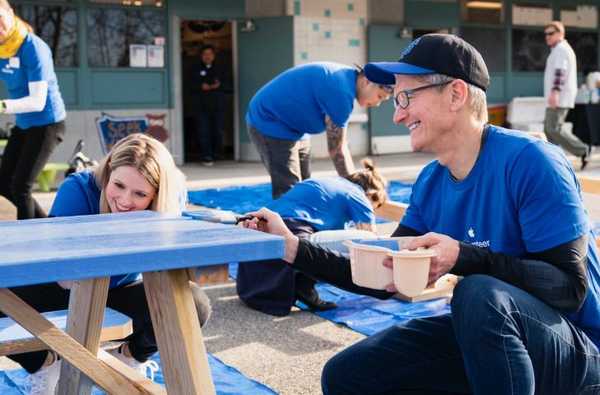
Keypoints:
pixel 332 376
pixel 202 303
pixel 477 296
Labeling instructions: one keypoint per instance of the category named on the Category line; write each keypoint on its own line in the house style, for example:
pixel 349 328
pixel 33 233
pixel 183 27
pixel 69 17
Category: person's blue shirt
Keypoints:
pixel 79 195
pixel 33 63
pixel 296 102
pixel 521 196
pixel 327 203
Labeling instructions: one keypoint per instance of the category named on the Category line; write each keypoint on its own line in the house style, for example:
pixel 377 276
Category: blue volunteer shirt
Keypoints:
pixel 33 63
pixel 297 101
pixel 325 203
pixel 79 195
pixel 520 196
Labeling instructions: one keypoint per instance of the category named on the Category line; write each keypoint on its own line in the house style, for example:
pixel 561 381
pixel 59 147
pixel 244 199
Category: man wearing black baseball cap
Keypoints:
pixel 501 209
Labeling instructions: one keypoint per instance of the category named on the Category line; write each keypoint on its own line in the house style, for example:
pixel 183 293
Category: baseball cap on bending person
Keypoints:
pixel 434 54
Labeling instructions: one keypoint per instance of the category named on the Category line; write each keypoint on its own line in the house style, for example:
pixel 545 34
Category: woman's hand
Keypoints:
pixel 447 250
pixel 269 221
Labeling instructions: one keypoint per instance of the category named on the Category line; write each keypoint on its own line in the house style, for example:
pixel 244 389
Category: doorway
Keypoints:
pixel 196 35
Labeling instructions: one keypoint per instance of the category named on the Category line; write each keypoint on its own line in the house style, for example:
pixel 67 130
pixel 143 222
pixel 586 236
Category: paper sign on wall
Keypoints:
pixel 137 55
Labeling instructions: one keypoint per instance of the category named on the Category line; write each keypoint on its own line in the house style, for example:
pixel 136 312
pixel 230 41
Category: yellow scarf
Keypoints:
pixel 13 41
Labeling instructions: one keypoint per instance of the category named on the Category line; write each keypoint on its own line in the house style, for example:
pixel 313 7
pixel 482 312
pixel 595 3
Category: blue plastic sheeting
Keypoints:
pixel 228 380
pixel 368 315
pixel 252 197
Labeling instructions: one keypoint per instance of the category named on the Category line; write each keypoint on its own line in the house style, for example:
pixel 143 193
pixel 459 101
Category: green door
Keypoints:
pixel 264 50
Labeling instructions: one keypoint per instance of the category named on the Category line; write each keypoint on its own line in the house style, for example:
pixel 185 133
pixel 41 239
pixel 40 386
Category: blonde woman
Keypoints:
pixel 35 100
pixel 138 174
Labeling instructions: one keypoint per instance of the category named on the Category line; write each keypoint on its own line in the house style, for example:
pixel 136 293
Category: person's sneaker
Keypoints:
pixel 44 381
pixel 207 163
pixel 146 369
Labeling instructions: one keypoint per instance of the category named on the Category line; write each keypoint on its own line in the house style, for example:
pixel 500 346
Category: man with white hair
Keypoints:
pixel 498 207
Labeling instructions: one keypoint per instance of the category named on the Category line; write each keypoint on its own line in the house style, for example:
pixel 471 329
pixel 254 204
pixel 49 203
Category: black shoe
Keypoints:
pixel 585 158
pixel 313 301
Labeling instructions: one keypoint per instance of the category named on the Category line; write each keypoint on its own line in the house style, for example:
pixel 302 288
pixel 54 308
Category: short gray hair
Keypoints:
pixel 477 98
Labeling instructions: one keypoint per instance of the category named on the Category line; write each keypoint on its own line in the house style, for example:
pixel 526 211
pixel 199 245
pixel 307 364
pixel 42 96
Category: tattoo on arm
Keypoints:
pixel 338 148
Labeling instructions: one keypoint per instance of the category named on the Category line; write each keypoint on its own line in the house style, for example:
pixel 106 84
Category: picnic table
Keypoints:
pixel 92 248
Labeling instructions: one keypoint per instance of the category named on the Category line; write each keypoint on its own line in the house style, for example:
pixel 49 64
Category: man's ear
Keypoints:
pixel 459 94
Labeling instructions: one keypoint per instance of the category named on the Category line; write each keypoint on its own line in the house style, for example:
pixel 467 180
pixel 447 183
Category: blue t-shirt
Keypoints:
pixel 79 195
pixel 33 63
pixel 297 101
pixel 325 203
pixel 521 196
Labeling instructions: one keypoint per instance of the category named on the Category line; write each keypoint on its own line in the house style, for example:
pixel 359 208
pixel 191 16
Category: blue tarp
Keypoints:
pixel 242 199
pixel 228 380
pixel 368 315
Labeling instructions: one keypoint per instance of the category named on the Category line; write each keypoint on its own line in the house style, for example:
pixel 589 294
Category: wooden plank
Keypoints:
pixel 68 348
pixel 391 210
pixel 68 248
pixel 178 333
pixel 443 288
pixel 14 339
pixel 87 301
pixel 218 274
pixel 589 184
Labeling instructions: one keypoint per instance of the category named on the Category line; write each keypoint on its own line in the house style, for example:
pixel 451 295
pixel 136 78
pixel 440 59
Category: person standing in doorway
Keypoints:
pixel 27 69
pixel 304 100
pixel 211 113
pixel 560 89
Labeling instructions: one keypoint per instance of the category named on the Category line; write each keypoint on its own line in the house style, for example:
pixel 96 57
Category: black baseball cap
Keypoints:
pixel 434 54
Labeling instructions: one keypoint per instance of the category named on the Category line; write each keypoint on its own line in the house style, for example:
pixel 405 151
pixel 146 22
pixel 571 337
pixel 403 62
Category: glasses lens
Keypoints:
pixel 550 33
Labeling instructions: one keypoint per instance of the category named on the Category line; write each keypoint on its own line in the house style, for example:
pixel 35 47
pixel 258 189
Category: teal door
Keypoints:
pixel 264 50
pixel 385 45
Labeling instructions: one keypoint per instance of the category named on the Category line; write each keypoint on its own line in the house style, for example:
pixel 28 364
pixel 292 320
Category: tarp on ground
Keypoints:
pixel 228 380
pixel 368 315
pixel 242 199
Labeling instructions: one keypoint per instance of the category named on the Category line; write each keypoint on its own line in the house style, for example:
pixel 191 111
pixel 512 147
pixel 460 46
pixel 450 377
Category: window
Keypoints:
pixel 529 50
pixel 111 31
pixel 57 26
pixel 133 3
pixel 584 44
pixel 482 11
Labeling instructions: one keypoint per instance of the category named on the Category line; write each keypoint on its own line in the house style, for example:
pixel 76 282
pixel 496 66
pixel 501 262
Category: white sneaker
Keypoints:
pixel 146 369
pixel 44 381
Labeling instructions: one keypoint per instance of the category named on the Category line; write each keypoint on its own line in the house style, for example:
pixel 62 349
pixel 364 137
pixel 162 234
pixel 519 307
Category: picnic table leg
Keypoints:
pixel 178 333
pixel 107 375
pixel 87 302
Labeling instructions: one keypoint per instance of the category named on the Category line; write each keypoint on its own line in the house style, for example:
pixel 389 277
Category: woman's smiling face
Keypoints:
pixel 128 190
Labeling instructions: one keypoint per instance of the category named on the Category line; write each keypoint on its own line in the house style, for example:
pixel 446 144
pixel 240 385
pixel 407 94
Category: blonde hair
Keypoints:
pixel 154 162
pixel 371 182
pixel 558 25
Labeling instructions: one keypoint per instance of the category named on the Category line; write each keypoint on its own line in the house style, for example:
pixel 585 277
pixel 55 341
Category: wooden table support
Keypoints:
pixel 87 302
pixel 178 333
pixel 68 348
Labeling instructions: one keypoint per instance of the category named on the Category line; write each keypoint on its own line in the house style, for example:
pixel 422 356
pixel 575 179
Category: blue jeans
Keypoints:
pixel 498 340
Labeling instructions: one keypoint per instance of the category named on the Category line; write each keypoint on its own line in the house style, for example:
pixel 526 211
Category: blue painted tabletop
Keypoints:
pixel 67 248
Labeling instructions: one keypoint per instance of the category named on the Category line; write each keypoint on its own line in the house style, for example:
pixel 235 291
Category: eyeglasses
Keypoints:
pixel 402 98
pixel 550 33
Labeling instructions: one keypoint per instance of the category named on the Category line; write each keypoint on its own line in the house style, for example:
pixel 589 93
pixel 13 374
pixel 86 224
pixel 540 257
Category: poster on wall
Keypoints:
pixel 113 128
pixel 137 55
pixel 156 56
